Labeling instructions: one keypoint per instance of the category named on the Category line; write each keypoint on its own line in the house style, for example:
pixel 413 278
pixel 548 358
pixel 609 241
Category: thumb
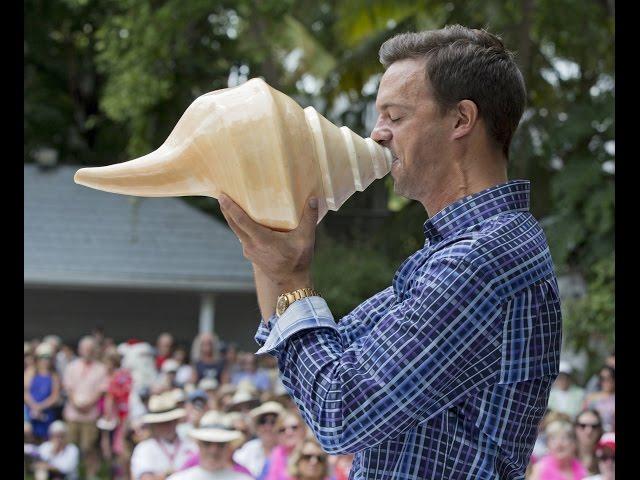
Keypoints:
pixel 310 214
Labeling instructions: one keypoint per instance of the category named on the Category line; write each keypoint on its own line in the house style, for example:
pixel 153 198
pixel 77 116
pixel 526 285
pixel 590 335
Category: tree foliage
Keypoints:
pixel 107 80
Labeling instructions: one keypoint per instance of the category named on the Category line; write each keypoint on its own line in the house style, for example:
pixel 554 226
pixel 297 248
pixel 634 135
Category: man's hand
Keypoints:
pixel 284 257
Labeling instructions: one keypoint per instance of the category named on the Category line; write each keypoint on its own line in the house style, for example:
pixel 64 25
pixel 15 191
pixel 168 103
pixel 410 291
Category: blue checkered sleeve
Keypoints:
pixel 422 354
pixel 351 326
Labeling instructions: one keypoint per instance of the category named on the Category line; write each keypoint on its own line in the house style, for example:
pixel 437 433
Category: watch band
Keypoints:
pixel 286 299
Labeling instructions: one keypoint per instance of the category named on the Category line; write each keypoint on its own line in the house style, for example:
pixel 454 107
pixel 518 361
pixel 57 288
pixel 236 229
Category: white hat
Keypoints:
pixel 57 427
pixel 162 408
pixel 44 350
pixel 170 366
pixel 565 367
pixel 242 397
pixel 208 384
pixel 267 407
pixel 215 427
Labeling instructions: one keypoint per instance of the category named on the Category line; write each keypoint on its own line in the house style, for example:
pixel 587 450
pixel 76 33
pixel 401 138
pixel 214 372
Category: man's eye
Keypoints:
pixel 394 119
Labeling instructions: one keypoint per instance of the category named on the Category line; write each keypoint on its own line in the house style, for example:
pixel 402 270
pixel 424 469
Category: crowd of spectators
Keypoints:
pixel 165 411
pixel 576 437
pixel 209 411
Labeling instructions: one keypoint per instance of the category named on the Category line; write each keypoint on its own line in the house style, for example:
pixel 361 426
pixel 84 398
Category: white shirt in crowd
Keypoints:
pixel 184 374
pixel 159 456
pixel 66 461
pixel 199 473
pixel 251 456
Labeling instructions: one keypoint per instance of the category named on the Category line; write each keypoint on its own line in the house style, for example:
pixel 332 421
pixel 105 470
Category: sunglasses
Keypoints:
pixel 593 426
pixel 267 420
pixel 293 428
pixel 319 458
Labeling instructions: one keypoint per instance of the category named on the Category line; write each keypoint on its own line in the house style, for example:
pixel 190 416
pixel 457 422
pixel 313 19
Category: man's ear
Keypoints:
pixel 465 118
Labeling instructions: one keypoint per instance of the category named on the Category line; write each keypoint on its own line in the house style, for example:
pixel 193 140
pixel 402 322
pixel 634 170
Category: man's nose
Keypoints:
pixel 381 133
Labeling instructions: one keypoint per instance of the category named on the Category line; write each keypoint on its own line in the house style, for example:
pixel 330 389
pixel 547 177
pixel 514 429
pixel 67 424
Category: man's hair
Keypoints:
pixel 464 63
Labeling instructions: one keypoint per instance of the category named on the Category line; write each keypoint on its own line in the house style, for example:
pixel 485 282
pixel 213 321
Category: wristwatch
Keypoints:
pixel 288 298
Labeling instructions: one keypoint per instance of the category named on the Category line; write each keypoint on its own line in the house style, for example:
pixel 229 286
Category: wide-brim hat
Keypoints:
pixel 242 399
pixel 163 417
pixel 266 408
pixel 162 408
pixel 215 434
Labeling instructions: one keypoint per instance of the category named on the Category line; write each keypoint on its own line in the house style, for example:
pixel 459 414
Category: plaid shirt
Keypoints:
pixel 446 374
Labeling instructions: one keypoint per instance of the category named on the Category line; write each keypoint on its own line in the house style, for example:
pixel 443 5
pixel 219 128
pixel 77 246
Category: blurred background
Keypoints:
pixel 106 81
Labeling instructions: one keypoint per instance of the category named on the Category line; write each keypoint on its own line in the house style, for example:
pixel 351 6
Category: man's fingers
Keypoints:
pixel 241 234
pixel 309 218
pixel 242 221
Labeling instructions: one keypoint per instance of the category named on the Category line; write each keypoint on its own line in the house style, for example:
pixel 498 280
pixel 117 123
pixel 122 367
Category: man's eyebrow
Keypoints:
pixel 386 105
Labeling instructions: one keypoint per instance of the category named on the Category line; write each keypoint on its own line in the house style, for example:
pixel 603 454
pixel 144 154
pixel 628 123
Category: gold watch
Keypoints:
pixel 288 298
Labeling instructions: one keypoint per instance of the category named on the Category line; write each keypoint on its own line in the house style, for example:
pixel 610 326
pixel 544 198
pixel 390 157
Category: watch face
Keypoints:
pixel 282 305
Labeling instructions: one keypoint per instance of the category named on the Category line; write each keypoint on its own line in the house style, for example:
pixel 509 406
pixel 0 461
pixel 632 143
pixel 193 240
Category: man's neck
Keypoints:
pixel 213 465
pixel 168 438
pixel 466 176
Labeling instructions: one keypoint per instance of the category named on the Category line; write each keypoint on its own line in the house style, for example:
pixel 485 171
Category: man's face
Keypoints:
pixel 86 349
pixel 411 125
pixel 217 453
pixel 164 344
pixel 265 426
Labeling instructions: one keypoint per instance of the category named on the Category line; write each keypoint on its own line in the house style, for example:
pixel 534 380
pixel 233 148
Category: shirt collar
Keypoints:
pixel 472 209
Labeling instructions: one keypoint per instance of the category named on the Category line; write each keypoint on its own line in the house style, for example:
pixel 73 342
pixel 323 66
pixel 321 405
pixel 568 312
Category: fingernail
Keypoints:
pixel 313 202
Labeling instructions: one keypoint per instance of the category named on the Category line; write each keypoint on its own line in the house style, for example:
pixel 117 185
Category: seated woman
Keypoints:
pixel 57 458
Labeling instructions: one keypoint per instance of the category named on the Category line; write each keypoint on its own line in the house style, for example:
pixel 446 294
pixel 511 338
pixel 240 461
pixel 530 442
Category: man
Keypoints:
pixel 84 382
pixel 164 348
pixel 165 452
pixel 446 373
pixel 217 440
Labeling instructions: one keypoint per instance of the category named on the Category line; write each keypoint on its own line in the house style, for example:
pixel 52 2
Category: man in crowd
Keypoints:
pixel 447 372
pixel 164 348
pixel 215 443
pixel 165 452
pixel 84 381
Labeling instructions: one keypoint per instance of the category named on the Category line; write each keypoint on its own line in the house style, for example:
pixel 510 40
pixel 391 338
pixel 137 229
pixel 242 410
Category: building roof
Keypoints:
pixel 75 236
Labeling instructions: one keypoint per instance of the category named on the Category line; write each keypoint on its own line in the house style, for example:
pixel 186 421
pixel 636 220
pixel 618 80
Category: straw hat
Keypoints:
pixel 215 427
pixel 162 408
pixel 265 408
pixel 179 395
pixel 243 399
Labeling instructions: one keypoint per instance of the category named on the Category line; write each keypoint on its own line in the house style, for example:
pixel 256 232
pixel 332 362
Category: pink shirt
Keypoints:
pixel 550 470
pixel 83 381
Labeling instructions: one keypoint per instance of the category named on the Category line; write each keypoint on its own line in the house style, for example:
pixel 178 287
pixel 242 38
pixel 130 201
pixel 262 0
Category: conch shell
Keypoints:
pixel 259 147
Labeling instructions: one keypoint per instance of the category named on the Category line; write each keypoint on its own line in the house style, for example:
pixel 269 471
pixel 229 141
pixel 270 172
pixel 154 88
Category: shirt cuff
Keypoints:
pixel 309 312
pixel 263 330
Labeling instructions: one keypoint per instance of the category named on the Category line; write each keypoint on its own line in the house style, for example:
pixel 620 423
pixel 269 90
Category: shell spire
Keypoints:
pixel 258 146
